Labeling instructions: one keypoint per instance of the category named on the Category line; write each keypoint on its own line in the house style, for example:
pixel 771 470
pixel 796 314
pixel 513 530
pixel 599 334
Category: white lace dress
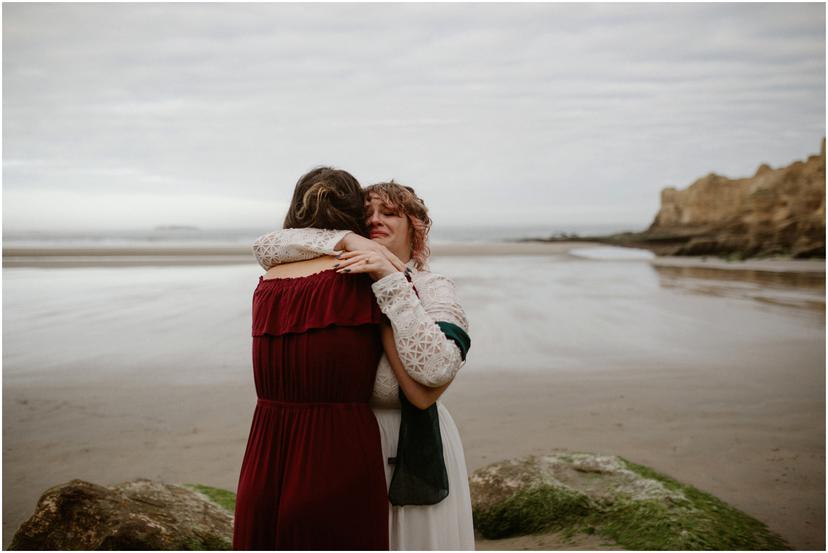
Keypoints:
pixel 429 357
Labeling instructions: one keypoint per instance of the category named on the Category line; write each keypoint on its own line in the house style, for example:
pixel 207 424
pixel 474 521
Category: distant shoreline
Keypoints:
pixel 212 255
pixel 126 256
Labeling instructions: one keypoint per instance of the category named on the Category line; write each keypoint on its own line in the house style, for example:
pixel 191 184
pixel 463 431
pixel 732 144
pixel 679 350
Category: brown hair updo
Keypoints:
pixel 327 198
pixel 404 202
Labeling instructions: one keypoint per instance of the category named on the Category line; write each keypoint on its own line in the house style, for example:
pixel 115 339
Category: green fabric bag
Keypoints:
pixel 420 476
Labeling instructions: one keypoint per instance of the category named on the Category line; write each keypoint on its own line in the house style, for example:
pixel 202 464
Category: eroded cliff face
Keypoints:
pixel 774 212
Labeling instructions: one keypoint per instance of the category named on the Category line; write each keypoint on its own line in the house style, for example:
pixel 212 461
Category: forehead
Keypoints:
pixel 374 199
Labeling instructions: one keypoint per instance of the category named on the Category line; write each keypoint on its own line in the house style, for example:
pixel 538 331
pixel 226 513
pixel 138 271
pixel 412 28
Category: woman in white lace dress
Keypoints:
pixel 419 310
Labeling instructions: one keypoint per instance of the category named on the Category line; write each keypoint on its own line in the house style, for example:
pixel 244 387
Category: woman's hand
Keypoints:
pixel 376 264
pixel 393 259
pixel 353 242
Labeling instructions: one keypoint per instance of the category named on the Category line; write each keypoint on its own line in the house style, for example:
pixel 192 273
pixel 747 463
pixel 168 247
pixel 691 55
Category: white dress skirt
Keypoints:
pixel 446 525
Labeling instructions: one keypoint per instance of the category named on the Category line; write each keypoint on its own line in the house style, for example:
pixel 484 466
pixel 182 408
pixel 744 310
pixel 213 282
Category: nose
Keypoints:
pixel 374 219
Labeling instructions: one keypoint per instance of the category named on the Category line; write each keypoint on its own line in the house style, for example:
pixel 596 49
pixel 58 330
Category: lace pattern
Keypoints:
pixel 428 356
pixel 295 244
pixel 385 386
pixel 439 298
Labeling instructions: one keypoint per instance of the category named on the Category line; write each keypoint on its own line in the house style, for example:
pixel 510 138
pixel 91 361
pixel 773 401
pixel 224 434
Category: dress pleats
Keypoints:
pixel 312 476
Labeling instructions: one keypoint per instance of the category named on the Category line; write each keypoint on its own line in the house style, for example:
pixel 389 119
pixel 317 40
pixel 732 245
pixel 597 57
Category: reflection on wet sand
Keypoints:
pixel 805 290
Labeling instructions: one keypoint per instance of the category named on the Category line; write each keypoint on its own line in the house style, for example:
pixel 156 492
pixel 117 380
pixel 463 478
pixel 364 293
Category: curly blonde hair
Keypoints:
pixel 404 201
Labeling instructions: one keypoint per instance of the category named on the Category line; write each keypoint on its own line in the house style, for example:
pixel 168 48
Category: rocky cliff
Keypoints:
pixel 774 212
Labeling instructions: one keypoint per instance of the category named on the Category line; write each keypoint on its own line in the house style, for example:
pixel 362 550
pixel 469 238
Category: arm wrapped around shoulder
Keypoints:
pixel 430 356
pixel 295 244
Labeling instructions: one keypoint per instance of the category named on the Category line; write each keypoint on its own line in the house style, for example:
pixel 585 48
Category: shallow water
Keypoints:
pixel 569 313
pixel 546 313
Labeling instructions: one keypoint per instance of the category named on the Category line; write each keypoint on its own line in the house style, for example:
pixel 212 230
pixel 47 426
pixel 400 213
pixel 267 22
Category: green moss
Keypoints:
pixel 699 522
pixel 223 498
pixel 532 510
pixel 212 542
pixel 208 543
pixel 703 522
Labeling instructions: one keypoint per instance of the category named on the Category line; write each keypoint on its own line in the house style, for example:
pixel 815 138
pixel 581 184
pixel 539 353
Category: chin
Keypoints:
pixel 383 240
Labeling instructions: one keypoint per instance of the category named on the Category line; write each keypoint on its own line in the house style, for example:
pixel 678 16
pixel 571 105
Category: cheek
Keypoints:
pixel 400 229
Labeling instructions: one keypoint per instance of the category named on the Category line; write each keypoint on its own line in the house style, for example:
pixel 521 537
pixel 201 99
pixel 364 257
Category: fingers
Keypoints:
pixel 351 260
pixel 365 262
pixel 361 266
pixel 350 254
pixel 393 259
pixel 360 263
pixel 363 254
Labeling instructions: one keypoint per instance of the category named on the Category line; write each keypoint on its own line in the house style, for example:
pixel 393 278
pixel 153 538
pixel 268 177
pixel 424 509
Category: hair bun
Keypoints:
pixel 327 198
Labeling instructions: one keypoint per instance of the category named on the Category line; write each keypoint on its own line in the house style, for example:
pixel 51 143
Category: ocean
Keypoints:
pixel 568 311
pixel 189 236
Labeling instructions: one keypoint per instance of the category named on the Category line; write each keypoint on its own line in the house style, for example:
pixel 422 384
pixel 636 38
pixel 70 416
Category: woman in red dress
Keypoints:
pixel 312 475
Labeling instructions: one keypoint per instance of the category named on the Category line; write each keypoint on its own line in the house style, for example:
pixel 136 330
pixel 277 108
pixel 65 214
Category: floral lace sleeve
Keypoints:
pixel 428 356
pixel 385 386
pixel 295 244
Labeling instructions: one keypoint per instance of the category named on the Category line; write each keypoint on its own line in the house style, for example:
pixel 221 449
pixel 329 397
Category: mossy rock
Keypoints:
pixel 631 504
pixel 140 514
pixel 223 498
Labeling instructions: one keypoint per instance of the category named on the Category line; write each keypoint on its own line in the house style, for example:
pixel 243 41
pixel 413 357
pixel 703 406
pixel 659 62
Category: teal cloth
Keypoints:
pixel 454 332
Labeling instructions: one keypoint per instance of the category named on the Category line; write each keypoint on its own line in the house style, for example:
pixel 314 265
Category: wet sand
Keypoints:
pixel 112 374
pixel 777 265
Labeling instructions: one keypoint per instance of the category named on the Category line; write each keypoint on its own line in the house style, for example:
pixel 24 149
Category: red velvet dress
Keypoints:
pixel 313 475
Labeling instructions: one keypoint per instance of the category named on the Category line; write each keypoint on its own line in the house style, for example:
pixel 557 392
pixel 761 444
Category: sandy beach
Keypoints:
pixel 118 372
pixel 115 256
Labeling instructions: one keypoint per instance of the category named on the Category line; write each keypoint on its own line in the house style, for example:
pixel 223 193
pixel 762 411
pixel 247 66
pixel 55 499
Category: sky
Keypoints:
pixel 137 115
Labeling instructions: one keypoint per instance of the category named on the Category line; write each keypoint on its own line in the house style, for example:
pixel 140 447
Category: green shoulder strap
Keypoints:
pixel 454 332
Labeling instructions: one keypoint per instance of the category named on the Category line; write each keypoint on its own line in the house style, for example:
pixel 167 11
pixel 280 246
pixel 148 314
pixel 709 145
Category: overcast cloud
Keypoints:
pixel 125 115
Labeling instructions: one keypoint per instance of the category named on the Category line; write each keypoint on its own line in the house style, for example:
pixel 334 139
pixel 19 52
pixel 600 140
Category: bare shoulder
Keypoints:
pixel 301 268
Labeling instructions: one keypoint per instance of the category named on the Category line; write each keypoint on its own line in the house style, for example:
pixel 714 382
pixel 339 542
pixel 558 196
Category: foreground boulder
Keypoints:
pixel 608 496
pixel 630 504
pixel 140 514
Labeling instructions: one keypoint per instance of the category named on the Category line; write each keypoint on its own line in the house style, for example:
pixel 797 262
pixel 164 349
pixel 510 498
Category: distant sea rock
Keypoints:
pixel 176 228
pixel 774 212
pixel 607 495
pixel 141 514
